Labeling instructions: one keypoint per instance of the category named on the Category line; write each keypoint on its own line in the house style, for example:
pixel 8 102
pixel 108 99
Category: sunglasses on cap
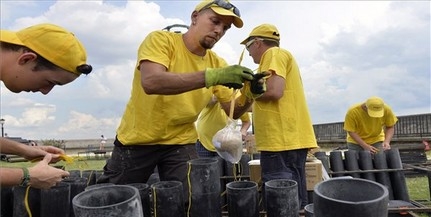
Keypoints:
pixel 223 4
pixel 249 43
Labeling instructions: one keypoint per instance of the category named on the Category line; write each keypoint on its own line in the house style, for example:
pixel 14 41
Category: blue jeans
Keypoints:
pixel 136 163
pixel 286 165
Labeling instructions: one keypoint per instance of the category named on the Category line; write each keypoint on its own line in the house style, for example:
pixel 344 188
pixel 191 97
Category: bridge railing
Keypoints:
pixel 413 126
pixel 329 131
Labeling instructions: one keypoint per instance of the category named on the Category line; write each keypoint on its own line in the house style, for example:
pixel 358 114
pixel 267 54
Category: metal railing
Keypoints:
pixel 413 126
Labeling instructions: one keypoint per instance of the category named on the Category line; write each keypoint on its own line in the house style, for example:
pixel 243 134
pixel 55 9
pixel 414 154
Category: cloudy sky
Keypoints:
pixel 347 51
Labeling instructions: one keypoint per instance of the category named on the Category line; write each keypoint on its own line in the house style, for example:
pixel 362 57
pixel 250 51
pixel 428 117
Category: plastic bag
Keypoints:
pixel 228 142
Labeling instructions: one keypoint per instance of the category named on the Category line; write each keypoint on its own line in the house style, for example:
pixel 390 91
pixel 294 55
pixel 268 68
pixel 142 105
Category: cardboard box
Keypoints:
pixel 255 171
pixel 313 172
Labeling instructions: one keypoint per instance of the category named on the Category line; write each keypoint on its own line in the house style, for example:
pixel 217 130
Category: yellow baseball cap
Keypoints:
pixel 375 107
pixel 267 31
pixel 53 43
pixel 224 8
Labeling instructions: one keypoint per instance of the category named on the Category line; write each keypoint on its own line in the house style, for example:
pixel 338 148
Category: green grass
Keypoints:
pixel 418 188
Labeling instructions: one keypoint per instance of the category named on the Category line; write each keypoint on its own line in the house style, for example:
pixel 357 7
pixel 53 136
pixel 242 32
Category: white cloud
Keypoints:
pixel 87 125
pixel 112 81
pixel 346 50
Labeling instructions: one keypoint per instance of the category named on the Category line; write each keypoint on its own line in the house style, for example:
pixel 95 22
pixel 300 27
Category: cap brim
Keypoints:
pixel 10 37
pixel 245 41
pixel 221 11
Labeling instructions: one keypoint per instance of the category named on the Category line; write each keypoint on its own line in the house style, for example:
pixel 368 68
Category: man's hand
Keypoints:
pixel 386 145
pixel 255 88
pixel 371 149
pixel 44 176
pixel 54 151
pixel 230 76
pixel 38 152
pixel 258 84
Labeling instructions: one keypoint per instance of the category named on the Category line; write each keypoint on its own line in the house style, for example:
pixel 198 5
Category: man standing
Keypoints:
pixel 370 125
pixel 282 123
pixel 102 142
pixel 175 77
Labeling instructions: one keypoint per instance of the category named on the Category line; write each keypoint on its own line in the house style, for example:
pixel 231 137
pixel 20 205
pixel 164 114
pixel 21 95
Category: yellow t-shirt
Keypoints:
pixel 212 119
pixel 284 124
pixel 167 119
pixel 369 129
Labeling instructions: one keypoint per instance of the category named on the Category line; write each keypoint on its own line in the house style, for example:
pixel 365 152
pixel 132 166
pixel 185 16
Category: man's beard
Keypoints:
pixel 206 45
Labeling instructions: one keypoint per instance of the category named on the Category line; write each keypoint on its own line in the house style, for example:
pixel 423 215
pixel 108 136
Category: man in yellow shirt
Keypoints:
pixel 370 125
pixel 35 59
pixel 282 124
pixel 175 77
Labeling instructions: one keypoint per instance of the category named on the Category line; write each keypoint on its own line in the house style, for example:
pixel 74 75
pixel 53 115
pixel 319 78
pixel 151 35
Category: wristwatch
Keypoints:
pixel 26 177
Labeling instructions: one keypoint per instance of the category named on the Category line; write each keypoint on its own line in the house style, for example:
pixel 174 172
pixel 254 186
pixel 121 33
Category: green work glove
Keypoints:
pixel 230 76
